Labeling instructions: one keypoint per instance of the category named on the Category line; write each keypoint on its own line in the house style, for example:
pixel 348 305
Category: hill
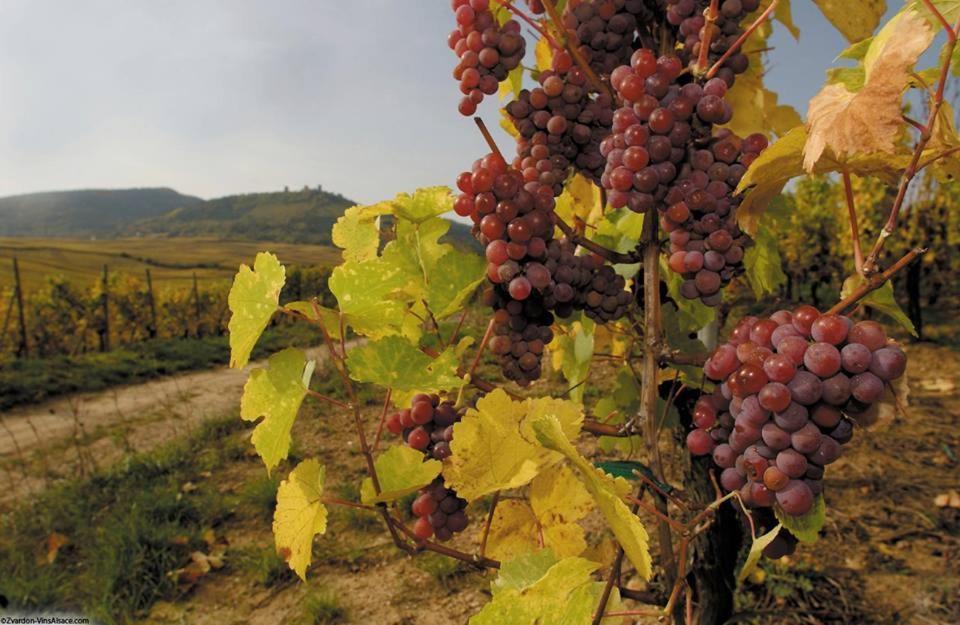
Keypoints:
pixel 84 213
pixel 303 216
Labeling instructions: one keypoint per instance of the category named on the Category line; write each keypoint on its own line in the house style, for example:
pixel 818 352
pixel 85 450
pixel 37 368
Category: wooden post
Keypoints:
pixel 196 303
pixel 23 349
pixel 105 305
pixel 6 323
pixel 153 328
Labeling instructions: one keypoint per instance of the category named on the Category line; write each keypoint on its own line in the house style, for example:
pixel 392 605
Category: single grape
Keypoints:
pixel 796 498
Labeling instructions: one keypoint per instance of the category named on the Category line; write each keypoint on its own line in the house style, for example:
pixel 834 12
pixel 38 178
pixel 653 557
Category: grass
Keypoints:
pixel 260 495
pixel 172 261
pixel 320 607
pixel 36 379
pixel 265 567
pixel 127 528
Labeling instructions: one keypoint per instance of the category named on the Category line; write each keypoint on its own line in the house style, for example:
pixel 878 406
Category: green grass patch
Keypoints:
pixel 35 379
pixel 320 607
pixel 126 530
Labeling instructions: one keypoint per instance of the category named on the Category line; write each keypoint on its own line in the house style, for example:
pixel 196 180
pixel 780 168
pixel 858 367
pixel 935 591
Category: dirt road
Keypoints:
pixel 79 433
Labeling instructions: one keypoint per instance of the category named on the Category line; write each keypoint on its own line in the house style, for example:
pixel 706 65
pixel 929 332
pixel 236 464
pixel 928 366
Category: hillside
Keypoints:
pixel 84 213
pixel 303 216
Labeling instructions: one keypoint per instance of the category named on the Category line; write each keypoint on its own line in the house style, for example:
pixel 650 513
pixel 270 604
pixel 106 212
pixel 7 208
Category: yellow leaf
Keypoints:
pixel 300 515
pixel 400 471
pixel 854 20
pixel 513 530
pixel 543 54
pixel 756 550
pixel 558 496
pixel 494 447
pixel 357 231
pixel 253 299
pixel 607 492
pixel 868 120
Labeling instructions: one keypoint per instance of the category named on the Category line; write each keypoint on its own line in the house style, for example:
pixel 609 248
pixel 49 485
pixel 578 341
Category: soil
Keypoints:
pixel 888 553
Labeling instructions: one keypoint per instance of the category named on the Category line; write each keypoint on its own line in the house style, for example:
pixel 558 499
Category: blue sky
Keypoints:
pixel 214 97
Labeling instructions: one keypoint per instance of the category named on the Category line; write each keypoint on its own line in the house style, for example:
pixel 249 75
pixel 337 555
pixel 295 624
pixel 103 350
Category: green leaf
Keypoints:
pixel 854 20
pixel 881 299
pixel 275 393
pixel 807 527
pixel 575 352
pixel 253 299
pixel 357 231
pixel 401 470
pixel 424 204
pixel 397 363
pixel 607 492
pixel 300 515
pixel 565 594
pixel 762 261
pixel 690 315
pixel 756 551
pixel 850 77
pixel 371 296
pixel 329 318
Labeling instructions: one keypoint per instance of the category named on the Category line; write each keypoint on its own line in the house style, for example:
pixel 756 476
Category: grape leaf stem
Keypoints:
pixel 854 227
pixel 870 264
pixel 740 40
pixel 875 281
pixel 610 255
pixel 486 527
pixel 383 418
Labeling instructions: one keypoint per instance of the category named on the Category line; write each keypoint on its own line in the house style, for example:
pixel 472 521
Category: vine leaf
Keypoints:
pixel 763 266
pixel 424 204
pixel 300 515
pixel 401 470
pixel 870 119
pixel 805 527
pixel 557 502
pixel 854 20
pixel 396 363
pixel 881 299
pixel 371 296
pixel 495 448
pixel 572 354
pixel 253 299
pixel 756 551
pixel 275 393
pixel 538 588
pixel 357 231
pixel 606 491
pixel 329 318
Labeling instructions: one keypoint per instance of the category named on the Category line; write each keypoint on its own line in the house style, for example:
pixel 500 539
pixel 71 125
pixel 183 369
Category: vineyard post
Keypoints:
pixel 196 304
pixel 6 322
pixel 105 307
pixel 23 349
pixel 153 327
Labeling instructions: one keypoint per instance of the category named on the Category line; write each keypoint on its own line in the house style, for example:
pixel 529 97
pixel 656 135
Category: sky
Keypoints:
pixel 217 97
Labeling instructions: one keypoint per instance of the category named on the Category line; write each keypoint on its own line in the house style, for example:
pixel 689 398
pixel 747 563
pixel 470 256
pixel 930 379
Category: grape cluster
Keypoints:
pixel 561 125
pixel 521 331
pixel 688 16
pixel 439 511
pixel 427 425
pixel 605 30
pixel 487 52
pixel 651 132
pixel 706 244
pixel 789 386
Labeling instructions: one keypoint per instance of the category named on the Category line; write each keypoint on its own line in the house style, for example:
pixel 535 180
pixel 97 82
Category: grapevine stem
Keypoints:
pixel 660 516
pixel 456 332
pixel 875 281
pixel 614 573
pixel 488 138
pixel 333 401
pixel 679 358
pixel 854 228
pixel 349 504
pixel 710 15
pixel 574 50
pixel 483 345
pixel 740 40
pixel 476 560
pixel 652 348
pixel 611 255
pixel 486 527
pixel 870 264
pixel 383 418
pixel 936 158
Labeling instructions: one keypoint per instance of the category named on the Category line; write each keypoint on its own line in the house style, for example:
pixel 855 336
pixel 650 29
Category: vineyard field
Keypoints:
pixel 172 261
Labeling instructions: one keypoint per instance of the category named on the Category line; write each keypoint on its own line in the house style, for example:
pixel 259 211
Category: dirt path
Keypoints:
pixel 79 433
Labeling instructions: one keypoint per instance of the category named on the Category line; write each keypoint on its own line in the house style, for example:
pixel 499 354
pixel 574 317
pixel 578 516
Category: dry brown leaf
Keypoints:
pixel 54 541
pixel 869 120
pixel 947 500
